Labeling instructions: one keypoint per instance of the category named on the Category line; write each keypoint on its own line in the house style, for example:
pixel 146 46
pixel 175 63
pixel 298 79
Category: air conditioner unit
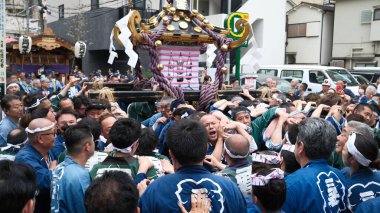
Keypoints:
pixel 337 63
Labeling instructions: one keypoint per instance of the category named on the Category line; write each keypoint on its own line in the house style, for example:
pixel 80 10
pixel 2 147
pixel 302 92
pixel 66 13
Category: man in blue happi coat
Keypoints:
pixel 316 187
pixel 12 107
pixel 187 142
pixel 36 153
pixel 70 178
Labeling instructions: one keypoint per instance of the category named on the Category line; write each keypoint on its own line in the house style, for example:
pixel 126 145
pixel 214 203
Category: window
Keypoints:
pixel 343 75
pixel 366 17
pixel 296 30
pixel 292 74
pixel 271 72
pixel 376 14
pixel 94 4
pixel 316 76
pixel 369 64
pixel 61 10
pixel 290 58
pixel 138 4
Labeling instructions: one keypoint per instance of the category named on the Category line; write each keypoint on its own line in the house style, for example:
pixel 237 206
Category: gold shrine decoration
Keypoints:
pixel 180 28
pixel 48 45
pixel 134 19
pixel 240 25
pixel 48 40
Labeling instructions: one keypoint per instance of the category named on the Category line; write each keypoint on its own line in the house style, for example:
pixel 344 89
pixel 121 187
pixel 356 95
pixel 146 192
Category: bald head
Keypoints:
pixel 39 123
pixel 237 144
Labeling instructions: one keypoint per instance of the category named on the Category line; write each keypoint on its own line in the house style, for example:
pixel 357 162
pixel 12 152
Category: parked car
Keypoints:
pixel 312 75
pixel 370 73
pixel 361 79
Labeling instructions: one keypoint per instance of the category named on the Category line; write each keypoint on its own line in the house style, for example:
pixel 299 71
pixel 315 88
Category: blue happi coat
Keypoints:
pixel 164 193
pixel 70 181
pixel 317 188
pixel 59 147
pixel 363 185
pixel 372 205
pixel 31 156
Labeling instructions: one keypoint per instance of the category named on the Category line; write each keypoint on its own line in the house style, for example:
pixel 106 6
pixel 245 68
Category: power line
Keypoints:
pixel 87 6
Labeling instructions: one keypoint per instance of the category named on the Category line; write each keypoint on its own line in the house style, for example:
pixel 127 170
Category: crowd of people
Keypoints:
pixel 61 151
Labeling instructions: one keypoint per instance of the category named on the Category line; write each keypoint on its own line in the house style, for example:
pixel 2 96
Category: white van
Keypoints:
pixel 312 75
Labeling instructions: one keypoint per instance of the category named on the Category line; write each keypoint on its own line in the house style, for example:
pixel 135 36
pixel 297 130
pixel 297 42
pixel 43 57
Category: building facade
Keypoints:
pixel 22 17
pixel 357 33
pixel 310 34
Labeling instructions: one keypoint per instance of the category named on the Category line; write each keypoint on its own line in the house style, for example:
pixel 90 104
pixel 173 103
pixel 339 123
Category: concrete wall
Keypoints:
pixel 271 19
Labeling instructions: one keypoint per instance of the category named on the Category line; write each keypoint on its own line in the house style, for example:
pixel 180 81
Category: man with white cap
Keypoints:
pixel 325 87
pixel 36 153
pixel 45 87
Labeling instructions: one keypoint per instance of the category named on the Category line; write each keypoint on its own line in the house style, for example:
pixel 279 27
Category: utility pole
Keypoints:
pixel 2 50
pixel 229 6
pixel 41 16
pixel 27 16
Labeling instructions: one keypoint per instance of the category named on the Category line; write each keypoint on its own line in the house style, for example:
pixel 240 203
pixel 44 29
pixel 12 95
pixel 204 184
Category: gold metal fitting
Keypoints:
pixel 195 12
pixel 172 10
pixel 175 18
pixel 170 27
pixel 206 22
pixel 183 25
pixel 197 29
pixel 200 17
pixel 224 47
pixel 160 67
pixel 224 70
pixel 158 43
pixel 165 20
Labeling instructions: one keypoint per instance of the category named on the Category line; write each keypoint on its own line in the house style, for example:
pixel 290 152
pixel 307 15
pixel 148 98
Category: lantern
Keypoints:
pixel 24 44
pixel 80 49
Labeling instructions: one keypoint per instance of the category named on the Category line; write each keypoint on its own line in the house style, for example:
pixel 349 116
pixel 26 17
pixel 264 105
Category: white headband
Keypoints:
pixel 126 150
pixel 17 146
pixel 12 85
pixel 355 152
pixel 37 130
pixel 232 155
pixel 287 138
pixel 261 180
pixel 36 104
pixel 288 147
pixel 267 159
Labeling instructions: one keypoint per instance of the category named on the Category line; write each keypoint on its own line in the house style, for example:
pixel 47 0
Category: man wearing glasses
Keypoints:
pixel 36 153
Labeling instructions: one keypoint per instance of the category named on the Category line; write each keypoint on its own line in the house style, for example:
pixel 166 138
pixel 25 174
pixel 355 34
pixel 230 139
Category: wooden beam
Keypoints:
pixel 149 95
